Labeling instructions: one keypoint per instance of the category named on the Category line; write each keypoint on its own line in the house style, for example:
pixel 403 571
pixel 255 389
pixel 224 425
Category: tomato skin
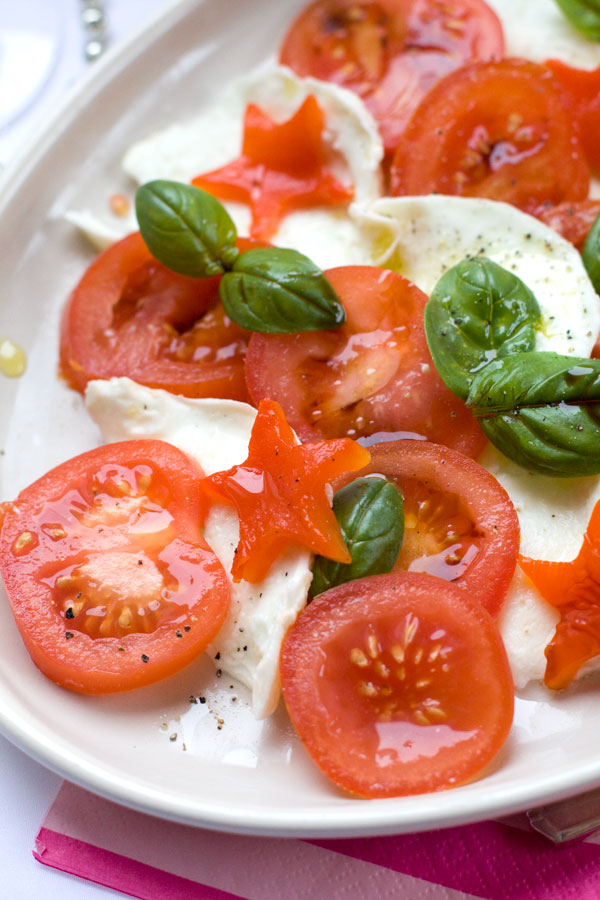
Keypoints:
pixel 130 316
pixel 502 130
pixel 397 684
pixel 111 583
pixel 583 88
pixel 571 220
pixel 373 374
pixel 459 522
pixel 390 52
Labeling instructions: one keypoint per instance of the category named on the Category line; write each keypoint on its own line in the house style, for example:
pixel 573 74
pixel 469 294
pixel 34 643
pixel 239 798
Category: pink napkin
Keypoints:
pixel 152 859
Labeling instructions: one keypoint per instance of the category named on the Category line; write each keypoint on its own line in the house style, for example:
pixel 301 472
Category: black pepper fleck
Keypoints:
pixel 69 634
pixel 145 658
pixel 69 613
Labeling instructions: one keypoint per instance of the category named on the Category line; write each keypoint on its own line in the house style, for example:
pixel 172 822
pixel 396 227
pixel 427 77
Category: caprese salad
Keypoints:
pixel 341 351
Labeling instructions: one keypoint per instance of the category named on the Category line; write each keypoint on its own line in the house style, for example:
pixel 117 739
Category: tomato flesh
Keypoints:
pixel 373 374
pixel 130 316
pixel 502 130
pixel 459 522
pixel 283 167
pixel 583 88
pixel 396 685
pixel 572 221
pixel 390 52
pixel 110 581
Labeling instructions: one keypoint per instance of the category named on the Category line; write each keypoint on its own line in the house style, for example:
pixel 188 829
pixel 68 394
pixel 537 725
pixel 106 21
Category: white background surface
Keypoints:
pixel 26 788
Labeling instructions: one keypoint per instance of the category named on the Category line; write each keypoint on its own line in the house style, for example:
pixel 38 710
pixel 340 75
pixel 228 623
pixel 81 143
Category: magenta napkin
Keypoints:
pixel 152 859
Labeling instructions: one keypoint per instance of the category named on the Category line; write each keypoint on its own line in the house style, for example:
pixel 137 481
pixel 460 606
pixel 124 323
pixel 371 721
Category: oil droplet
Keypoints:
pixel 13 360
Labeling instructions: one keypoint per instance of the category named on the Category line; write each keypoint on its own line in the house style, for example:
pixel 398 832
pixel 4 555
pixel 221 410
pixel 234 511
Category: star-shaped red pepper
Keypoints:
pixel 281 493
pixel 574 589
pixel 282 167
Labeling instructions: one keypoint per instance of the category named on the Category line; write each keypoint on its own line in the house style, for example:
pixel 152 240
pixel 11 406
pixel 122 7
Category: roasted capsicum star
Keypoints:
pixel 283 167
pixel 281 494
pixel 574 589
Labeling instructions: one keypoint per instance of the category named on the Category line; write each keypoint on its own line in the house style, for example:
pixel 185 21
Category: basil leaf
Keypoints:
pixel 279 291
pixel 185 228
pixel 591 254
pixel 369 511
pixel 478 311
pixel 542 410
pixel 583 15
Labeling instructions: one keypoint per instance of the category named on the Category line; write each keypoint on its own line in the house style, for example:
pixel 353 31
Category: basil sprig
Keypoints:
pixel 281 289
pixel 478 311
pixel 542 410
pixel 271 290
pixel 369 511
pixel 583 15
pixel 186 229
pixel 591 254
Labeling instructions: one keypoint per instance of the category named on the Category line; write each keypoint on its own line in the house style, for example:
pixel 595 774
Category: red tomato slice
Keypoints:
pixel 109 578
pixel 571 220
pixel 390 52
pixel 459 522
pixel 502 130
pixel 129 315
pixel 397 684
pixel 583 88
pixel 374 374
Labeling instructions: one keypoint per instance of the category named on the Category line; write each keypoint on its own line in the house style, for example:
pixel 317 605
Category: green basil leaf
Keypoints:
pixel 279 291
pixel 583 15
pixel 542 410
pixel 591 254
pixel 478 311
pixel 185 228
pixel 369 511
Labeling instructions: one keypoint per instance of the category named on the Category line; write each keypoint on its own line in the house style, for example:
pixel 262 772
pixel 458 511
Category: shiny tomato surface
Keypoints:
pixel 111 583
pixel 397 684
pixel 390 52
pixel 459 522
pixel 503 130
pixel 130 316
pixel 374 374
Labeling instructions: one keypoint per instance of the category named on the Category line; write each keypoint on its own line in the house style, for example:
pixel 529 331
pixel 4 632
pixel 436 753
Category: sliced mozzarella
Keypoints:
pixel 216 434
pixel 421 237
pixel 329 235
pixel 538 30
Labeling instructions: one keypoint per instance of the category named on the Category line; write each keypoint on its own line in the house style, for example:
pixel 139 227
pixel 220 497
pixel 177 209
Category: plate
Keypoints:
pixel 161 750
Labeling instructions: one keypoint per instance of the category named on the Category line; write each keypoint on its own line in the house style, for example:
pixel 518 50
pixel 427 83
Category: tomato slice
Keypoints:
pixel 130 316
pixel 571 220
pixel 390 52
pixel 109 578
pixel 374 374
pixel 574 589
pixel 459 522
pixel 281 494
pixel 502 130
pixel 397 684
pixel 283 167
pixel 583 88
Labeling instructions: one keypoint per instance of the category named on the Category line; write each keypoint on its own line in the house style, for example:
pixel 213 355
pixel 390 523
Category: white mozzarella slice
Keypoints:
pixel 328 235
pixel 422 237
pixel 216 434
pixel 538 30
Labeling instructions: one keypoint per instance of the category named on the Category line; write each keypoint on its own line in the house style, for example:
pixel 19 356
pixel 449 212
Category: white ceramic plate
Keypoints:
pixel 247 776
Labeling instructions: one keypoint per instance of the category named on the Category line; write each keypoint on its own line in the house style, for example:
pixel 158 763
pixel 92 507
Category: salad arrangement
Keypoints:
pixel 108 560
